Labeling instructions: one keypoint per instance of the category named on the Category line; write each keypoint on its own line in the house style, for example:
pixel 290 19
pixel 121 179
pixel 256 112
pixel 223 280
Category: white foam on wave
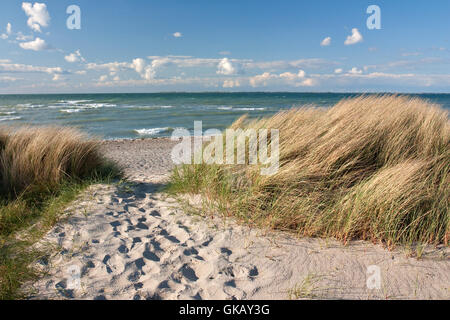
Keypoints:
pixel 30 105
pixel 249 109
pixel 151 131
pixel 225 108
pixel 74 101
pixel 70 110
pixel 147 107
pixel 9 118
pixel 99 105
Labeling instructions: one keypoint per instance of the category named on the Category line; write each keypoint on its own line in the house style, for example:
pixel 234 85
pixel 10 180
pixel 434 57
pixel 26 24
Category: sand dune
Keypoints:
pixel 132 242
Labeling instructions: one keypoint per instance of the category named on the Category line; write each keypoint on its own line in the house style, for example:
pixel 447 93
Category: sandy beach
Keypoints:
pixel 131 241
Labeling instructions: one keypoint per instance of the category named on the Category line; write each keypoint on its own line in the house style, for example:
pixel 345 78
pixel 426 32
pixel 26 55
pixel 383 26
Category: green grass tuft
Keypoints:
pixel 42 171
pixel 375 168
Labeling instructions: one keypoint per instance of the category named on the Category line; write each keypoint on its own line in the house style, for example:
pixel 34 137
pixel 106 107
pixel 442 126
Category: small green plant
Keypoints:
pixel 307 289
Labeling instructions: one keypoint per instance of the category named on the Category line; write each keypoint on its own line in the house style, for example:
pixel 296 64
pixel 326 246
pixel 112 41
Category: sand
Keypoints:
pixel 131 241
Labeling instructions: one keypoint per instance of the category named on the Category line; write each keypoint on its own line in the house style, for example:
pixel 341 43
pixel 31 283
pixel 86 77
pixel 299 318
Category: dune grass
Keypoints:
pixel 372 167
pixel 42 169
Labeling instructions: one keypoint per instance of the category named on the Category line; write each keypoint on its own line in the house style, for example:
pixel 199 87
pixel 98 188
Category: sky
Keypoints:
pixel 233 45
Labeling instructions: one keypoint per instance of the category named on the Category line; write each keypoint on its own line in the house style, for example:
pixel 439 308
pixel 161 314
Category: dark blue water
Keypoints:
pixel 157 114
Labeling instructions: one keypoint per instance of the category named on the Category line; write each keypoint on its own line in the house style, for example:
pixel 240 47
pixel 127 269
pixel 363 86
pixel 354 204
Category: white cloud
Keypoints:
pixel 231 83
pixel 177 34
pixel 307 83
pixel 38 15
pixel 326 42
pixel 338 70
pixel 81 72
pixel 21 37
pixel 261 79
pixel 74 57
pixel 138 65
pixel 111 66
pixel 9 79
pixel 36 45
pixel 225 67
pixel 14 67
pixel 56 77
pixel 103 78
pixel 225 53
pixel 355 70
pixel 286 78
pixel 314 63
pixel 355 37
pixel 150 73
pixel 6 35
pixel 292 76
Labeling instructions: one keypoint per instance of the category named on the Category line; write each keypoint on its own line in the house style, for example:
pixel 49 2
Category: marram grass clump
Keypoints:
pixel 42 169
pixel 35 157
pixel 373 167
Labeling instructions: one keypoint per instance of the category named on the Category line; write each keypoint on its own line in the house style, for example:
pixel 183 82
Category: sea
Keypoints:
pixel 130 116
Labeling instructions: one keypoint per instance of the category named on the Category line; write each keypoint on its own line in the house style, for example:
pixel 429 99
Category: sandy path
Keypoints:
pixel 130 242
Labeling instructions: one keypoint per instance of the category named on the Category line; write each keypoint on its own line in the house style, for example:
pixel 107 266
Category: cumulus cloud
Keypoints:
pixel 338 70
pixel 37 15
pixel 56 77
pixel 289 78
pixel 138 64
pixel 307 83
pixel 326 42
pixel 355 70
pixel 231 83
pixel 36 45
pixel 355 37
pixel 177 34
pixel 103 78
pixel 261 79
pixel 5 36
pixel 74 57
pixel 225 67
pixel 292 76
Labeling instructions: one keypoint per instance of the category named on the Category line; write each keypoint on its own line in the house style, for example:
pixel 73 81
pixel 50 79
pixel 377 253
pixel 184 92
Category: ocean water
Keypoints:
pixel 111 116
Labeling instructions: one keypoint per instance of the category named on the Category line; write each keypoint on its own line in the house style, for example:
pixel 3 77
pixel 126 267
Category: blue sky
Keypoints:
pixel 246 45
